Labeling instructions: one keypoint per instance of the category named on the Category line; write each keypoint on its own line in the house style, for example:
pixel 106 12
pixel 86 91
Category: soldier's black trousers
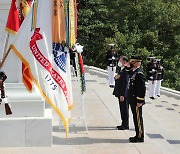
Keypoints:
pixel 124 111
pixel 138 120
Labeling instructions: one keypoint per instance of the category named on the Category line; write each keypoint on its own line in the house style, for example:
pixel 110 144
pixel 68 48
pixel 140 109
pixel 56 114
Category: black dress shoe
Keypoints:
pixel 158 95
pixel 122 127
pixel 131 138
pixel 152 98
pixel 136 139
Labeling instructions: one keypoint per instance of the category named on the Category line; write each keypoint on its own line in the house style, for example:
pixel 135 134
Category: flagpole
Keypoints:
pixel 5 48
pixel 6 44
pixel 5 56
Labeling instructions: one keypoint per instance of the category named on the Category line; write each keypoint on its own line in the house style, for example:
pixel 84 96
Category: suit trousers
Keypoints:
pixel 124 111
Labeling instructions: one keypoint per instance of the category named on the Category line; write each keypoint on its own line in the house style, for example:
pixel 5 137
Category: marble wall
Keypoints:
pixel 12 66
pixel 4 8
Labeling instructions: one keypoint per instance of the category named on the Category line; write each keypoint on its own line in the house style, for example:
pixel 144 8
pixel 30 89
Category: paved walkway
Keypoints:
pixel 161 120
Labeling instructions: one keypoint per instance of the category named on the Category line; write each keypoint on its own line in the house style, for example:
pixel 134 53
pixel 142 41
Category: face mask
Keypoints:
pixel 131 65
pixel 119 64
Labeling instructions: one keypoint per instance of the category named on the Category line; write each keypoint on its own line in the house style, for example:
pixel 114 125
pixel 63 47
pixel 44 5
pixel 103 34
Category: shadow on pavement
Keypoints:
pixel 85 140
pixel 75 129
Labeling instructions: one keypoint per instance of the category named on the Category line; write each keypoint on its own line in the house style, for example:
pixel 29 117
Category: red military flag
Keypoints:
pixel 18 11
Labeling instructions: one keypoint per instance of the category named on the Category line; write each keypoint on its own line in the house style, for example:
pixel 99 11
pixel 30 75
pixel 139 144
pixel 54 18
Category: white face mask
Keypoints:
pixel 119 64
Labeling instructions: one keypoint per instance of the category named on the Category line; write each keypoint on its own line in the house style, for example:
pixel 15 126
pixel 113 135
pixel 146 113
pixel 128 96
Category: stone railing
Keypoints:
pixel 104 73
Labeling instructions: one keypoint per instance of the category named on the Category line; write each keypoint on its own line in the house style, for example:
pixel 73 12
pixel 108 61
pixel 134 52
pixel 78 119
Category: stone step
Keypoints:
pixel 24 108
pixel 23 103
pixel 26 131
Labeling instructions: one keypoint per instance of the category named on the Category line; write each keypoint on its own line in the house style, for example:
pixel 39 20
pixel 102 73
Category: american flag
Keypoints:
pixel 60 56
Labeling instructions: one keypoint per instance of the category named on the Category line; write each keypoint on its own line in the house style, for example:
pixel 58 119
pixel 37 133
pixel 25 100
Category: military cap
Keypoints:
pixel 152 58
pixel 112 44
pixel 158 60
pixel 136 58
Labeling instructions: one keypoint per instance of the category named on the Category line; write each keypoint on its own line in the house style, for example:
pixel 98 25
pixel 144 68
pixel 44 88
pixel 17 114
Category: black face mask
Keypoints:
pixel 129 70
pixel 131 66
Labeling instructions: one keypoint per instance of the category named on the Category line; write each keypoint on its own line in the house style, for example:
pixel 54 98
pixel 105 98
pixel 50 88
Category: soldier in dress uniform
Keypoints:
pixel 111 58
pixel 136 98
pixel 151 76
pixel 120 91
pixel 159 76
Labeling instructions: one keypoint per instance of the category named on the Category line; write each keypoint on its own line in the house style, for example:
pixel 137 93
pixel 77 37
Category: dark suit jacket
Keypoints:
pixel 121 84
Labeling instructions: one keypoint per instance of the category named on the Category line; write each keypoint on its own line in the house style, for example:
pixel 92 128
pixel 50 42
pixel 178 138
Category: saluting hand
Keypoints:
pixel 139 104
pixel 121 98
pixel 117 77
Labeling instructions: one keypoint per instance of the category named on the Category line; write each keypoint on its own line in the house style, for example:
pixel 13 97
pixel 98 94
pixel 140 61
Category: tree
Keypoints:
pixel 93 29
pixel 143 27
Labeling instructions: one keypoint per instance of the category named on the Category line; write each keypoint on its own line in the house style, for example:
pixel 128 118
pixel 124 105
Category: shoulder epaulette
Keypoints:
pixel 140 72
pixel 127 69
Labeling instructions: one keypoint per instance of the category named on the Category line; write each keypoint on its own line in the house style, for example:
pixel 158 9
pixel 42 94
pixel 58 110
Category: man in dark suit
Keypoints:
pixel 136 98
pixel 120 91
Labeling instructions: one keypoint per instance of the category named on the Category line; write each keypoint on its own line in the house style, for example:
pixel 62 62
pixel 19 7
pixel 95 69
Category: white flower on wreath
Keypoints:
pixel 79 48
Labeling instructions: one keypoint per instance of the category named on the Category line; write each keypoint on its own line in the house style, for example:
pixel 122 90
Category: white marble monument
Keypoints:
pixel 12 71
pixel 30 124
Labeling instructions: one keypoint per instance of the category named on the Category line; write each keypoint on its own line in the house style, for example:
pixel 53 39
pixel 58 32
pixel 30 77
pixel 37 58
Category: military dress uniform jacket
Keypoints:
pixel 121 84
pixel 160 73
pixel 137 88
pixel 151 72
pixel 111 58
